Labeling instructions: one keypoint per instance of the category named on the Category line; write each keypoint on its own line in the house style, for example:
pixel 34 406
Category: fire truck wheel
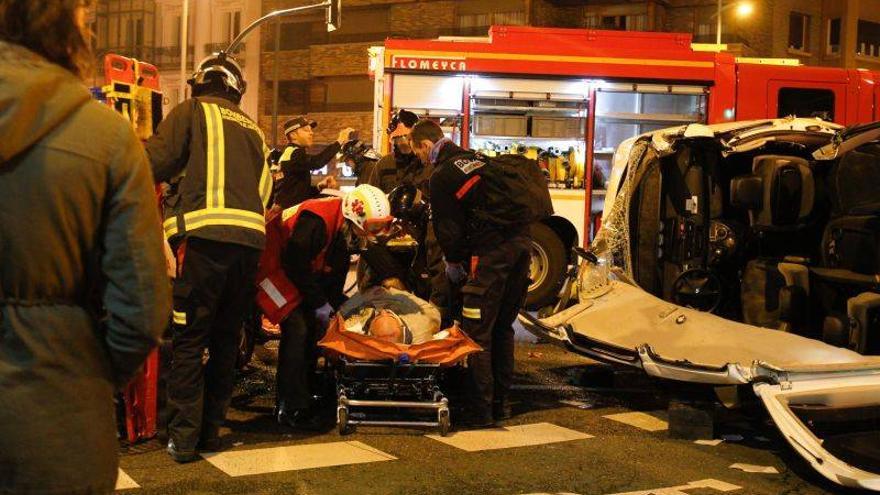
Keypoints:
pixel 547 267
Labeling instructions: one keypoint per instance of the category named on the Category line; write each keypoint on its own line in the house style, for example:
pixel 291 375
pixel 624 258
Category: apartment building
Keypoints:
pixel 150 30
pixel 326 74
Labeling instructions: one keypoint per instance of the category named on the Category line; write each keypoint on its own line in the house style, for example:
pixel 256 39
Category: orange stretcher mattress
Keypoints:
pixel 445 352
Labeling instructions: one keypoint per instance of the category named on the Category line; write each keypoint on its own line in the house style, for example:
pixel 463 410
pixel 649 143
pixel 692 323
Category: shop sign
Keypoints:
pixel 445 64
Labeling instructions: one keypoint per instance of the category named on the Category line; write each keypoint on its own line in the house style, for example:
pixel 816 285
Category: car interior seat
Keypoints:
pixel 779 196
pixel 848 275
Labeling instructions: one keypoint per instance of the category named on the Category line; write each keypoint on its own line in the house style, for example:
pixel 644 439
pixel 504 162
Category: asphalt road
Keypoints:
pixel 571 394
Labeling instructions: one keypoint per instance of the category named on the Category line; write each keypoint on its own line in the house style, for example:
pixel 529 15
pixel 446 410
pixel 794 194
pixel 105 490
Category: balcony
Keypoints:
pixel 168 58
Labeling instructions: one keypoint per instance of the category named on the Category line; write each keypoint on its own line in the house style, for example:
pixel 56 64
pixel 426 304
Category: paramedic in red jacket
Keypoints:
pixel 302 274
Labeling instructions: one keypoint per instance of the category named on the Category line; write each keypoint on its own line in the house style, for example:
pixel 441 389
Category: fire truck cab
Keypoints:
pixel 569 97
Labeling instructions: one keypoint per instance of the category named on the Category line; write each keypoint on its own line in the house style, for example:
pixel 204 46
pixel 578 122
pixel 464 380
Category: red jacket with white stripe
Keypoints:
pixel 277 295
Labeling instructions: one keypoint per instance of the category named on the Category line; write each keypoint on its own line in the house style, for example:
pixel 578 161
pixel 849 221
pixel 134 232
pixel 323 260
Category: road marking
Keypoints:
pixel 510 437
pixel 751 468
pixel 294 457
pixel 711 443
pixel 711 484
pixel 124 481
pixel 648 422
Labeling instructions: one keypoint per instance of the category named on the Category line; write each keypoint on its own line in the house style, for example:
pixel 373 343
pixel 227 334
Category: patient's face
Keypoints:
pixel 386 327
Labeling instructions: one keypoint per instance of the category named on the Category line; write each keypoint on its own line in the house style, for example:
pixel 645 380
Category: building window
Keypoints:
pixel 868 39
pixel 134 33
pixel 806 102
pixel 299 35
pixel 372 25
pixel 231 25
pixel 591 21
pixel 476 23
pixel 291 97
pixel 624 22
pixel 833 41
pixel 799 32
pixel 341 94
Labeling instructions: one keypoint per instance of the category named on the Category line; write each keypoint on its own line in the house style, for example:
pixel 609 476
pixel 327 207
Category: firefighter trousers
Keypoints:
pixel 491 300
pixel 212 293
pixel 297 358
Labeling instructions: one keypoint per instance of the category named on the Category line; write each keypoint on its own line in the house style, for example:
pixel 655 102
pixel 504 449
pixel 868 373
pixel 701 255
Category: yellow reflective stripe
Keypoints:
pixel 211 217
pixel 265 185
pixel 471 313
pixel 221 160
pixel 179 317
pixel 216 175
pixel 286 154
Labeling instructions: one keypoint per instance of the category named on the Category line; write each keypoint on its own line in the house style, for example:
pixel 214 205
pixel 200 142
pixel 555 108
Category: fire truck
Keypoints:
pixel 568 97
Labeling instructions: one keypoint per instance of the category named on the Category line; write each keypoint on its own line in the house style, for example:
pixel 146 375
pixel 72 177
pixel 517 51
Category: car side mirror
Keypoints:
pixel 747 191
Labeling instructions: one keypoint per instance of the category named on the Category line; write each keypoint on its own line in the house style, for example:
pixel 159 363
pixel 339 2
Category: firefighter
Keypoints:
pixel 492 262
pixel 213 156
pixel 401 166
pixel 302 273
pixel 293 179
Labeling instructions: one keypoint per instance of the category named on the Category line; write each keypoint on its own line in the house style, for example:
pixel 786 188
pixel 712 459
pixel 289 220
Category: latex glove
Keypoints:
pixel 456 272
pixel 324 314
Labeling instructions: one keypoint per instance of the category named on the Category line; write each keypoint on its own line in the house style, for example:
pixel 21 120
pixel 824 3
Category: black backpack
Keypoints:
pixel 514 192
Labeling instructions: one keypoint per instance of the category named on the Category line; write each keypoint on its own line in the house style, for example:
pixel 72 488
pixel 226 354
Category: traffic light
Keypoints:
pixel 334 15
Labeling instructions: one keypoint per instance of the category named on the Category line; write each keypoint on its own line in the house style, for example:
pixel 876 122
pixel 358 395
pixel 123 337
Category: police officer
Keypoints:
pixel 293 180
pixel 213 156
pixel 314 240
pixel 401 166
pixel 493 260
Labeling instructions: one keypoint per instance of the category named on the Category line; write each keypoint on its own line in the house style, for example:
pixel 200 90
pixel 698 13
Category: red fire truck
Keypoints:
pixel 568 97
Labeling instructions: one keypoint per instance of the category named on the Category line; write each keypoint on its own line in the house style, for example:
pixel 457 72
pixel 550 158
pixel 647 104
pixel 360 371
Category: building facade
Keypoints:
pixel 326 74
pixel 150 30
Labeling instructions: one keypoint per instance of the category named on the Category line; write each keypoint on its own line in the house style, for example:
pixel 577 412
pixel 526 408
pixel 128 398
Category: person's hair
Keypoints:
pixel 47 27
pixel 426 129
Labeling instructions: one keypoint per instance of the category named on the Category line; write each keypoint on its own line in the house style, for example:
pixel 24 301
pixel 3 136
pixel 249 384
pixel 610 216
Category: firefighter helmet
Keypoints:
pixel 220 67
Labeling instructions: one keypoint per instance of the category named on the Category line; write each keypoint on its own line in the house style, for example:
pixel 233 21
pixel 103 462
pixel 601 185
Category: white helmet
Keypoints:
pixel 368 208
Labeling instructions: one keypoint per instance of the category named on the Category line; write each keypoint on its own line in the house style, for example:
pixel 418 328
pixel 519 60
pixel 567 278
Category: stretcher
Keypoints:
pixel 373 375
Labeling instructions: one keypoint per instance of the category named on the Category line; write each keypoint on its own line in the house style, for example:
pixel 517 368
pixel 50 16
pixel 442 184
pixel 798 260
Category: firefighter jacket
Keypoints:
pixel 214 158
pixel 303 246
pixel 79 232
pixel 457 191
pixel 395 169
pixel 293 180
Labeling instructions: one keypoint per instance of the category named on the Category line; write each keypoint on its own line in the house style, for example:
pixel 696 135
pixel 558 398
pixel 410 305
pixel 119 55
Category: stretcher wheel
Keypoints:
pixel 342 420
pixel 443 421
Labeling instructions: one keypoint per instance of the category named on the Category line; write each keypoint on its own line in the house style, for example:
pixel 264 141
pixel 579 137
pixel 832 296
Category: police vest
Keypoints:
pixel 277 296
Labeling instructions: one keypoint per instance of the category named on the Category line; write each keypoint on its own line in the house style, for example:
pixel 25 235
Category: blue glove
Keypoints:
pixel 323 314
pixel 456 273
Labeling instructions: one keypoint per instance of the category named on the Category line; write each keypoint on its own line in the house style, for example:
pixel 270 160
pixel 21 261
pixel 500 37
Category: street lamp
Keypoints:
pixel 743 9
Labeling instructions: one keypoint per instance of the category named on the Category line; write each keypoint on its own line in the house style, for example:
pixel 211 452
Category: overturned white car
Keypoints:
pixel 746 254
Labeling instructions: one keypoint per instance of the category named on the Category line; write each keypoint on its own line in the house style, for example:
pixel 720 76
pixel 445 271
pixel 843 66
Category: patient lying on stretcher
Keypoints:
pixel 392 315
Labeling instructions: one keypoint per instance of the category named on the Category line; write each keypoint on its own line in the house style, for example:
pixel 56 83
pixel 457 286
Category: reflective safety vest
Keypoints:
pixel 277 296
pixel 226 185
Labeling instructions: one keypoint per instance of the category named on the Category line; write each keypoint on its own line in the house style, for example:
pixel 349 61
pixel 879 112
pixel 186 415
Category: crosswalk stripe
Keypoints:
pixel 509 437
pixel 294 458
pixel 124 481
pixel 648 422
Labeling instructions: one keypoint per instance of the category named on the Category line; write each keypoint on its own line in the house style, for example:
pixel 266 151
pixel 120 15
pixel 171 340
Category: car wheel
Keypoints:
pixel 547 267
